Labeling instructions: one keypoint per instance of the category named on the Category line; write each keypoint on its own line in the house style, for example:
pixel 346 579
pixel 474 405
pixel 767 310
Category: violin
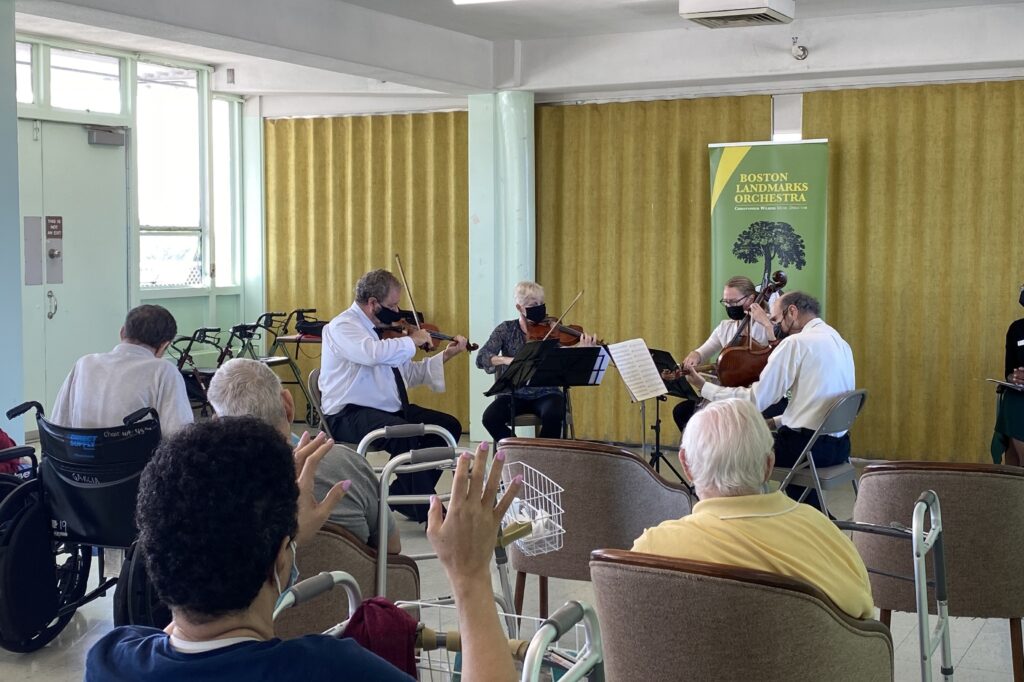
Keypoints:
pixel 550 328
pixel 403 328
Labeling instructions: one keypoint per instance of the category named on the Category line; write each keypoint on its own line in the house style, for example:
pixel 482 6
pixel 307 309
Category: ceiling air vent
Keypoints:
pixel 737 13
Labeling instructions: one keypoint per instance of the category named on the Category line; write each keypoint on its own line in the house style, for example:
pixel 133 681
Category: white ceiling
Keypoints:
pixel 539 19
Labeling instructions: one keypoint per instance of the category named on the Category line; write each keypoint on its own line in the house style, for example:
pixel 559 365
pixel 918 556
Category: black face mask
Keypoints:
pixel 537 313
pixel 779 334
pixel 1022 297
pixel 735 312
pixel 387 315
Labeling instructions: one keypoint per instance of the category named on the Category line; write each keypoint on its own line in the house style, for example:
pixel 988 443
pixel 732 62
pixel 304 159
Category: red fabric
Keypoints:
pixel 386 630
pixel 11 466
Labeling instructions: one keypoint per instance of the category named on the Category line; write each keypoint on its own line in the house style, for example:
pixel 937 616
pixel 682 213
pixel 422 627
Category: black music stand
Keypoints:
pixel 519 372
pixel 572 366
pixel 678 388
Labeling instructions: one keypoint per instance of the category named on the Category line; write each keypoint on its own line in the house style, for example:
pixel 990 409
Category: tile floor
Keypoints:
pixel 981 648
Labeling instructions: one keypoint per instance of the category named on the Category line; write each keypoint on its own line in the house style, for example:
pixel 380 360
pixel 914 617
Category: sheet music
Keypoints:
pixel 600 367
pixel 1007 384
pixel 637 369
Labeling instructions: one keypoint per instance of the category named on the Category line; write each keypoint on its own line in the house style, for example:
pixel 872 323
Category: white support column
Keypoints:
pixel 502 235
pixel 11 392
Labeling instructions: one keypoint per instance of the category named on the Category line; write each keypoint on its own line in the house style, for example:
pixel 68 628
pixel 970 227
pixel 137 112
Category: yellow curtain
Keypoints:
pixel 344 195
pixel 622 212
pixel 925 237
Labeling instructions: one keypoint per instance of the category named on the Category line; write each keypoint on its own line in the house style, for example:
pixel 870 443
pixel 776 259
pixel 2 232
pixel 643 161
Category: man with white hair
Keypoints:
pixel 727 453
pixel 243 387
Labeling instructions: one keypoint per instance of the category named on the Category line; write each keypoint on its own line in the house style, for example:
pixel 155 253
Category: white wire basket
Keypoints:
pixel 540 504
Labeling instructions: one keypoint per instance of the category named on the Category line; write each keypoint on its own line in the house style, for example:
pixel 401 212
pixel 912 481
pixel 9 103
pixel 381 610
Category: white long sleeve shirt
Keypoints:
pixel 356 365
pixel 816 364
pixel 104 388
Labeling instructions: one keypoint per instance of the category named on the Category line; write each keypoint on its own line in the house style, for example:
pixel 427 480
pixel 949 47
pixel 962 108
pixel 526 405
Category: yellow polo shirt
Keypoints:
pixel 771 533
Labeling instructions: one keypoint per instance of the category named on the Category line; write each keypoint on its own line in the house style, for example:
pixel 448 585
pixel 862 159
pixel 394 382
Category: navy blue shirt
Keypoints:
pixel 145 654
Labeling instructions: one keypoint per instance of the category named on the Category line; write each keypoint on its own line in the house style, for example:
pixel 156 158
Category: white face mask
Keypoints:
pixel 292 577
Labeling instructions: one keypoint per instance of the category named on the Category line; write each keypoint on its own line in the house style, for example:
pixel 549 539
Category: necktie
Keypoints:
pixel 403 395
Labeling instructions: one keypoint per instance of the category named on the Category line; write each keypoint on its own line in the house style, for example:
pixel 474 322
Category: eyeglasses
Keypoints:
pixel 739 301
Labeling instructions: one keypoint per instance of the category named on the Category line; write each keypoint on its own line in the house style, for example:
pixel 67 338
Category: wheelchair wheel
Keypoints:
pixel 40 581
pixel 135 600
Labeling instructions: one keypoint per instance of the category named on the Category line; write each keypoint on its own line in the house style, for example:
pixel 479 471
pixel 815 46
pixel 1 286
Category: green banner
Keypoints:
pixel 768 213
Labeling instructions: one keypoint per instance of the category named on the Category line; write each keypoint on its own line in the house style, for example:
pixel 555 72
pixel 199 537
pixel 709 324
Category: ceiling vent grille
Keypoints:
pixel 737 13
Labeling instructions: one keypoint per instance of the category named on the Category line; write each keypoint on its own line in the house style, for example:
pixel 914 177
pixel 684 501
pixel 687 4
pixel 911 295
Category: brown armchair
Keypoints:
pixel 674 619
pixel 610 497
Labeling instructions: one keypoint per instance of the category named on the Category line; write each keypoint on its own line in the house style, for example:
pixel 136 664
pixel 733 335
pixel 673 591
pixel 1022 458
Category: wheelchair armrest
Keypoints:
pixel 17 452
pixel 25 407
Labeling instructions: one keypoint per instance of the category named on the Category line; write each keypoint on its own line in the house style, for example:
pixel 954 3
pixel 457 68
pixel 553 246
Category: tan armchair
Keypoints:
pixel 610 497
pixel 336 549
pixel 983 526
pixel 673 619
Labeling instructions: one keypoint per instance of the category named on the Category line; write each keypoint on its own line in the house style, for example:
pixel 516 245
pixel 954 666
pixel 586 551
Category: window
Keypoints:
pixel 224 136
pixel 85 81
pixel 23 65
pixel 170 176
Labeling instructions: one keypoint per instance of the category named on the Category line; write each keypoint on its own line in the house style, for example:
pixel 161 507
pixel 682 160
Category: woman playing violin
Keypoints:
pixel 505 341
pixel 737 298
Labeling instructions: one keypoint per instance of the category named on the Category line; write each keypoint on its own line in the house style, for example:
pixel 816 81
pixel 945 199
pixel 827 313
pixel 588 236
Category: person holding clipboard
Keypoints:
pixel 1008 439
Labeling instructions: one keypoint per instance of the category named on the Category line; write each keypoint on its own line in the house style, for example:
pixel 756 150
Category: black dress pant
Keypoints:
pixel 828 451
pixel 550 408
pixel 355 421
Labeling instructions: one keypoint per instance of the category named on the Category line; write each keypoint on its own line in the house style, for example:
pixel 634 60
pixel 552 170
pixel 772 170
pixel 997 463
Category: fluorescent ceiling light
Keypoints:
pixel 475 2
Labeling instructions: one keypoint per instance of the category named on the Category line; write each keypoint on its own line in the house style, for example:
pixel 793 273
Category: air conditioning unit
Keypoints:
pixel 736 13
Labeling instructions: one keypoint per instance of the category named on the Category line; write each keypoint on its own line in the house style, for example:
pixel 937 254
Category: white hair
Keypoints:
pixel 527 292
pixel 727 445
pixel 243 387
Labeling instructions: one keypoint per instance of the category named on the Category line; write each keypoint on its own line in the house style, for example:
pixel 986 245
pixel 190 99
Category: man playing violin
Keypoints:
pixel 505 341
pixel 815 364
pixel 363 379
pixel 737 297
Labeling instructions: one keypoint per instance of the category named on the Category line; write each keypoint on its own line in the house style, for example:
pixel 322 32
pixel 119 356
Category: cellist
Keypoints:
pixel 737 297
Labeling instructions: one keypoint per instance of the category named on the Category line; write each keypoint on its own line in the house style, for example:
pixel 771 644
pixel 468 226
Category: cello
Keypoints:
pixel 741 362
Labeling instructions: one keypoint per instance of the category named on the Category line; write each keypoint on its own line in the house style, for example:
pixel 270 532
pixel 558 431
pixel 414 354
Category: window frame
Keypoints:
pixel 42 109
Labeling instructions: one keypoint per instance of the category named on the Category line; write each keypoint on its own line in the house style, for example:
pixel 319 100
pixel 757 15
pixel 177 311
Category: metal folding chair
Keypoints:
pixel 839 417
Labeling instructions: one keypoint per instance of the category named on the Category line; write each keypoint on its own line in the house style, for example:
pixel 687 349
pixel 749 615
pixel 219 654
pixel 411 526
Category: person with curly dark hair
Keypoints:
pixel 218 514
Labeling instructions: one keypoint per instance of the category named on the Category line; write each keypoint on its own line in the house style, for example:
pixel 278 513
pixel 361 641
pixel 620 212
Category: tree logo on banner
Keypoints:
pixel 770 241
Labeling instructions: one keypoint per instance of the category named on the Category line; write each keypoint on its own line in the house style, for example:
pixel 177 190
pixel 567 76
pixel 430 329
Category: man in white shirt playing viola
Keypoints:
pixel 815 364
pixel 364 378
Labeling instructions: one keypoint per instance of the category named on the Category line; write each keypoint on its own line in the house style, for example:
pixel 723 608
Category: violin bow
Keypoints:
pixel 408 291
pixel 565 312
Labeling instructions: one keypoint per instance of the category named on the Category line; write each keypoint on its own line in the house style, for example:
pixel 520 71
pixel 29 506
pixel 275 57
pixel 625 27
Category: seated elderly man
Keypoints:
pixel 243 387
pixel 220 520
pixel 103 388
pixel 727 453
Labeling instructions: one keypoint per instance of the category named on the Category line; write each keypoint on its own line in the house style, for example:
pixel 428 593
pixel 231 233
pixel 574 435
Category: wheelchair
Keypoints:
pixel 81 496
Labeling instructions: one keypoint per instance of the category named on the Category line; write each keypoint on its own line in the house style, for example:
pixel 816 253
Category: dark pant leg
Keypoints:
pixel 828 451
pixel 551 410
pixel 497 416
pixel 682 412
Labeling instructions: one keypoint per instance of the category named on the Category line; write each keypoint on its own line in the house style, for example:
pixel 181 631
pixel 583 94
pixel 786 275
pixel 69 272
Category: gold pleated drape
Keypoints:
pixel 343 195
pixel 623 213
pixel 925 238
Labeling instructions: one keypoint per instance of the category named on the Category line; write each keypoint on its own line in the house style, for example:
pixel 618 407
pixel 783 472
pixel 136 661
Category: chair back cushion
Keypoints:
pixel 335 549
pixel 610 497
pixel 673 619
pixel 983 534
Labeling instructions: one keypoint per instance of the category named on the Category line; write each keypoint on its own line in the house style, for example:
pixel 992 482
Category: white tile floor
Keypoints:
pixel 981 648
